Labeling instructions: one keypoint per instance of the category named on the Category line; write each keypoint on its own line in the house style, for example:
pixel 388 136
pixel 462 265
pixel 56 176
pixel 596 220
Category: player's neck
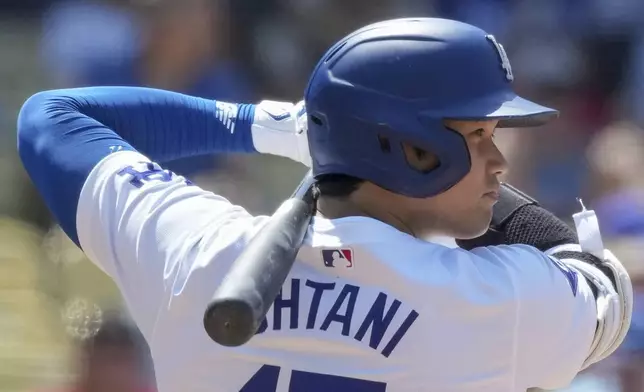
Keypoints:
pixel 334 208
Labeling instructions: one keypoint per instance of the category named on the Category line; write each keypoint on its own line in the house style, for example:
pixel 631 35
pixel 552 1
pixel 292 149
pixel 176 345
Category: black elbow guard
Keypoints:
pixel 518 219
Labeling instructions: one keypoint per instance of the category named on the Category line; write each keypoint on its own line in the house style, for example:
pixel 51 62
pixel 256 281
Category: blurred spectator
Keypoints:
pixel 81 35
pixel 610 37
pixel 23 8
pixel 180 46
pixel 293 34
pixel 616 159
pixel 113 359
pixel 490 15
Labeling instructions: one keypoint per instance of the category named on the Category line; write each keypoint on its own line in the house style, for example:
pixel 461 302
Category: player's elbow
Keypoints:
pixel 32 117
pixel 30 125
pixel 36 120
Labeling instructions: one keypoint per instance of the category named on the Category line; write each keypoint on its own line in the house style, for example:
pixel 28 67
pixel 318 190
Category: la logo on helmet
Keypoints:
pixel 505 62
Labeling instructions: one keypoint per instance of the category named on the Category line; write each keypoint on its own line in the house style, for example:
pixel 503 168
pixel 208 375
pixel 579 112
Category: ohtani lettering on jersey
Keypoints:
pixel 378 320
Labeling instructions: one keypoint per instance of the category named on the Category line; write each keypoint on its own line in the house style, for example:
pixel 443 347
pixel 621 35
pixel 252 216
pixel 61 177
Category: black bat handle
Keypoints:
pixel 248 290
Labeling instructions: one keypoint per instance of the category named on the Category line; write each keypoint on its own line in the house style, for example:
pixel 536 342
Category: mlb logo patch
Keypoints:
pixel 338 257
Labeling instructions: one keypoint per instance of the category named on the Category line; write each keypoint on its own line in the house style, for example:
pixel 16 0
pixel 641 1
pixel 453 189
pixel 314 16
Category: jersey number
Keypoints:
pixel 265 380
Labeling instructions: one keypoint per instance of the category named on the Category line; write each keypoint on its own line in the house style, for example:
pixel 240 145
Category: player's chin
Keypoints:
pixel 476 226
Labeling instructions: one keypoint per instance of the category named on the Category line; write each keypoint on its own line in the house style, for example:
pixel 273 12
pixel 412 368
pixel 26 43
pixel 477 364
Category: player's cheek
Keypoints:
pixel 480 169
pixel 494 159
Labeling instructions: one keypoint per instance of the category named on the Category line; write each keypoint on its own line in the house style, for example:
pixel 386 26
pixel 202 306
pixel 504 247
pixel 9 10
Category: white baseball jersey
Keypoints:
pixel 366 308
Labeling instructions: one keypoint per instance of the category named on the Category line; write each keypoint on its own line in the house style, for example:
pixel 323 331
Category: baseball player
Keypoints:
pixel 400 118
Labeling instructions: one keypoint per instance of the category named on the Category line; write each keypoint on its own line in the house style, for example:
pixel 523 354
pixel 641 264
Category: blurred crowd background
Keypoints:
pixel 63 326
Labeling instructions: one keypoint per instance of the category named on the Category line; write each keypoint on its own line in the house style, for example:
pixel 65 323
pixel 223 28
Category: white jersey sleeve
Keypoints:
pixel 150 229
pixel 556 317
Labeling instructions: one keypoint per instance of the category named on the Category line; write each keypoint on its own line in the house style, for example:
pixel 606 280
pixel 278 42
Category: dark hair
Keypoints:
pixel 337 185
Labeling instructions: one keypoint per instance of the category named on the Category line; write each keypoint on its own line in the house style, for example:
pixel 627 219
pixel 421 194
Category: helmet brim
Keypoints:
pixel 511 110
pixel 520 112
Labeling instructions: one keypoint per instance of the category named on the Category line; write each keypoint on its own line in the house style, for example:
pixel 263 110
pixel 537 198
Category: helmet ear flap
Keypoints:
pixel 417 158
pixel 420 159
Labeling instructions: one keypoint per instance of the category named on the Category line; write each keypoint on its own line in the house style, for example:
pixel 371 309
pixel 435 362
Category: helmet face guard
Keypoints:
pixel 399 80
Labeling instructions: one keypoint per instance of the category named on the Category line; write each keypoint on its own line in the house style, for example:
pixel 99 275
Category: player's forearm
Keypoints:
pixel 161 124
pixel 63 134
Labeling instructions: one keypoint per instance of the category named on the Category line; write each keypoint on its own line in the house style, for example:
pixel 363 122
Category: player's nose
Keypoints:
pixel 496 162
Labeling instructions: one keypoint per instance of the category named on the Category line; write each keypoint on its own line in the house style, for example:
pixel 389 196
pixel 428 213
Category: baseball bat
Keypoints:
pixel 247 292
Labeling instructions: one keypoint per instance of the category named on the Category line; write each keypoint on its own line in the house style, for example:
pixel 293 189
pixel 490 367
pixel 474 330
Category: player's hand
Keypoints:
pixel 280 129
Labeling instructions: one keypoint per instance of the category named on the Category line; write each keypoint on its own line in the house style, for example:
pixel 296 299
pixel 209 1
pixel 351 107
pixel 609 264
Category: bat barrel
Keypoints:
pixel 248 290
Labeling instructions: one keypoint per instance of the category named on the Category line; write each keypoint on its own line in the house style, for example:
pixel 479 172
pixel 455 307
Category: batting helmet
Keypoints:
pixel 397 81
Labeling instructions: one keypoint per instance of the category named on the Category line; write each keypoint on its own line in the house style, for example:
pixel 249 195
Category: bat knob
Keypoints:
pixel 230 322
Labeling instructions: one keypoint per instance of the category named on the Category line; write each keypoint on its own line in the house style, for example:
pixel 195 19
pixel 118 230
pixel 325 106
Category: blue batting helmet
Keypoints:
pixel 397 81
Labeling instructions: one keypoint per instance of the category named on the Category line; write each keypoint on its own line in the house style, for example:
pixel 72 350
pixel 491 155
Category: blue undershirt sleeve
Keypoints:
pixel 63 134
